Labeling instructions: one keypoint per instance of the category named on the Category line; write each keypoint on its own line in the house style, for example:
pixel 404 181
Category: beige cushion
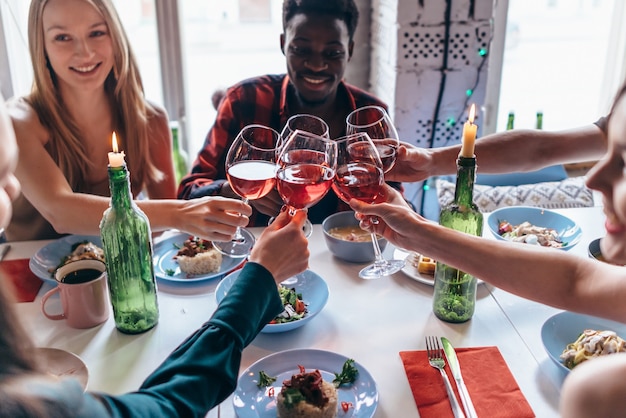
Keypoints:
pixel 569 193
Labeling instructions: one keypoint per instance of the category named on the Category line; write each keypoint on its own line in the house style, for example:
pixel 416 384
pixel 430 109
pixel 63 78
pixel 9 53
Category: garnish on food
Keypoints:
pixel 265 379
pixel 348 374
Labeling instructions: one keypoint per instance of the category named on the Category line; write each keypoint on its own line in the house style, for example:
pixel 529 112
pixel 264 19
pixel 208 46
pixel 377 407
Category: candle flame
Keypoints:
pixel 472 113
pixel 114 140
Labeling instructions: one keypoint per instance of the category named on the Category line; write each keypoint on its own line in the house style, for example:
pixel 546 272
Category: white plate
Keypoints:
pixel 314 292
pixel 45 261
pixel 565 328
pixel 163 257
pixel 410 270
pixel 61 363
pixel 250 401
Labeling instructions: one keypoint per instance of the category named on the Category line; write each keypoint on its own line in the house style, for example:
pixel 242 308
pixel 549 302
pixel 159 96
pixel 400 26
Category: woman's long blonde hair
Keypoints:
pixel 131 112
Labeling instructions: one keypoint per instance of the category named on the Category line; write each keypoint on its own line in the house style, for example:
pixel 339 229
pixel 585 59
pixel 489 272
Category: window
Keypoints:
pixel 556 61
pixel 224 43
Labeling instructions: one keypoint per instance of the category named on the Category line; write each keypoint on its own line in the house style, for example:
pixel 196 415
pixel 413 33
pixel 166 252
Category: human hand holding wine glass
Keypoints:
pixel 375 121
pixel 251 172
pixel 359 175
pixel 305 170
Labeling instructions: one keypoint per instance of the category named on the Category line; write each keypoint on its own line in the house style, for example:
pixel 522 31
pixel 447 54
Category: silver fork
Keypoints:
pixel 435 359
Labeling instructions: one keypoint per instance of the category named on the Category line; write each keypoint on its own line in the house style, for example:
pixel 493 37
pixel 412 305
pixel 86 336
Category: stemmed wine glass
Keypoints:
pixel 376 122
pixel 359 175
pixel 251 172
pixel 307 123
pixel 305 170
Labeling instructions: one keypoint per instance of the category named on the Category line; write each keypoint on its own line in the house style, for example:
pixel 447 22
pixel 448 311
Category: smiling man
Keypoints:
pixel 317 42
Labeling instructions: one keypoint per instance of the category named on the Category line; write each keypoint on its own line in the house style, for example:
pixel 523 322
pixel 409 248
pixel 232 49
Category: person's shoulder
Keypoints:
pixel 363 97
pixel 25 118
pixel 157 111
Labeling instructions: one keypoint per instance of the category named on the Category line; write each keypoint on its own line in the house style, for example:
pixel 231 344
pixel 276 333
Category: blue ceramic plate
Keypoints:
pixel 314 292
pixel 164 263
pixel 565 328
pixel 45 261
pixel 250 401
pixel 569 232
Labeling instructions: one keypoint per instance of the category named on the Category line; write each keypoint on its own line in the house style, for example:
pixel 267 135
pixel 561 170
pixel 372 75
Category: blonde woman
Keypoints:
pixel 86 86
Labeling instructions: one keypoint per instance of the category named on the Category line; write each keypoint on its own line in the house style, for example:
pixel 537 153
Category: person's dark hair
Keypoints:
pixel 345 10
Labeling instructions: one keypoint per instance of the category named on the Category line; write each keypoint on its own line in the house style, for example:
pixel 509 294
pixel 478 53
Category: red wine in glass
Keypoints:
pixel 251 171
pixel 361 181
pixel 359 175
pixel 387 155
pixel 303 185
pixel 252 179
pixel 375 121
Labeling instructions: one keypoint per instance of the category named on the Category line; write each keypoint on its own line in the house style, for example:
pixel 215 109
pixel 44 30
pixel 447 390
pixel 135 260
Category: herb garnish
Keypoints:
pixel 265 379
pixel 170 272
pixel 348 374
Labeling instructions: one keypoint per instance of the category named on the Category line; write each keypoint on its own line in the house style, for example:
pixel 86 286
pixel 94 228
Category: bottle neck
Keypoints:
pixel 465 176
pixel 119 183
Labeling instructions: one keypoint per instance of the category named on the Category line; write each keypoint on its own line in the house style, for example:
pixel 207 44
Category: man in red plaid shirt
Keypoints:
pixel 317 41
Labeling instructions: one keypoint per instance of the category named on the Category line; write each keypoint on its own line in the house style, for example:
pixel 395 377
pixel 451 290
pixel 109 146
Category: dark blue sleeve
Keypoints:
pixel 203 370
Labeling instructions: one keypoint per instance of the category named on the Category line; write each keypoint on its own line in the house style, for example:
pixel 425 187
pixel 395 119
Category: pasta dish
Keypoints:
pixel 592 343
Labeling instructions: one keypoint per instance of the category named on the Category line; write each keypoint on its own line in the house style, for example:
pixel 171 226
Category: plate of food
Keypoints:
pixel 571 338
pixel 274 383
pixel 62 364
pixel 303 296
pixel 418 267
pixel 185 259
pixel 65 250
pixel 535 226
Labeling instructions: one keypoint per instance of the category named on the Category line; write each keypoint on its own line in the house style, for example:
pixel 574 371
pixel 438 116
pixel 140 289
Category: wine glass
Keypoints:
pixel 359 175
pixel 305 170
pixel 307 123
pixel 376 122
pixel 251 173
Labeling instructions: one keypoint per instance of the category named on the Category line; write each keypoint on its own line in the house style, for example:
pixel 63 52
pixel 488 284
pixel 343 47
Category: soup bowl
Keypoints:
pixel 347 247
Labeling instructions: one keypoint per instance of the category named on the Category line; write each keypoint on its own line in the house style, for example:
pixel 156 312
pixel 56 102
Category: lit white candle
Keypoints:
pixel 469 134
pixel 116 159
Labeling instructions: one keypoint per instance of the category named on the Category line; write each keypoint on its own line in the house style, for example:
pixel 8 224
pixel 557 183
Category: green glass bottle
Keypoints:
pixel 127 244
pixel 539 123
pixel 178 153
pixel 510 121
pixel 454 297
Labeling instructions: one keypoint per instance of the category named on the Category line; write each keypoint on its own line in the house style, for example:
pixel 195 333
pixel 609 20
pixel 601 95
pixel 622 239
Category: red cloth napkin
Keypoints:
pixel 489 381
pixel 25 284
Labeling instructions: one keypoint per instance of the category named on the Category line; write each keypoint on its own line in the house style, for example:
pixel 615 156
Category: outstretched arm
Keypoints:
pixel 504 152
pixel 545 275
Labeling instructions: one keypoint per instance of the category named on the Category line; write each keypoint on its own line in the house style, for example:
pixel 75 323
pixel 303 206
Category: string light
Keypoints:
pixel 482 52
pixel 469 92
pixel 451 122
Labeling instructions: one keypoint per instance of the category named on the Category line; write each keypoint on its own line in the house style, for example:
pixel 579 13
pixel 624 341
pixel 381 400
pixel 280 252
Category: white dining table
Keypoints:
pixel 370 321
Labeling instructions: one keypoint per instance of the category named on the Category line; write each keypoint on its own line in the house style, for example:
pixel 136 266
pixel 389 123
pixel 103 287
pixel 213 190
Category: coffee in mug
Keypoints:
pixel 84 294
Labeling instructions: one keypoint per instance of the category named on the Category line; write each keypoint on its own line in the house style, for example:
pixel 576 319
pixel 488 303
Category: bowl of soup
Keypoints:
pixel 347 241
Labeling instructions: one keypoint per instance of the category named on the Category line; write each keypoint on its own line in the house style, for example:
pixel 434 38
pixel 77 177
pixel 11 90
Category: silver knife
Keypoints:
pixel 455 368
